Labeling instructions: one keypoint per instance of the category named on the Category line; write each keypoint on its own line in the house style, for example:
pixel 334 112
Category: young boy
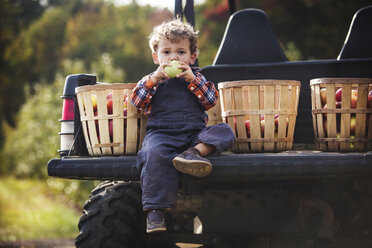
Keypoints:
pixel 177 138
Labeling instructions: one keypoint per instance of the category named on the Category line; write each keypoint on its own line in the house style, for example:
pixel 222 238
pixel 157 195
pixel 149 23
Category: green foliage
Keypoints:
pixel 28 147
pixel 31 210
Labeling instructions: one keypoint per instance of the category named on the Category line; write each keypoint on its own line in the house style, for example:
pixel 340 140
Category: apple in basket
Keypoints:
pixel 262 127
pixel 369 99
pixel 352 143
pixel 323 96
pixel 110 103
pixel 354 98
pixel 109 96
pixel 338 95
pixel 276 121
pixel 109 107
pixel 173 69
pixel 352 124
pixel 248 127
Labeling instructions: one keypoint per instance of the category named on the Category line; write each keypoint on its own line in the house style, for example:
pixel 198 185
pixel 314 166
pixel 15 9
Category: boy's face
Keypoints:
pixel 168 51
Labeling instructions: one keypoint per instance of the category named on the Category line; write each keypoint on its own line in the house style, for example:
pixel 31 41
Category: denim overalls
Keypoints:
pixel 176 123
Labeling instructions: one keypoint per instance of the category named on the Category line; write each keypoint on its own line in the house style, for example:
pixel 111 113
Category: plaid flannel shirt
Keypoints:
pixel 204 90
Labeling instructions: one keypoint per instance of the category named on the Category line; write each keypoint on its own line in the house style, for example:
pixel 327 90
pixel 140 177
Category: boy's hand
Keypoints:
pixel 160 75
pixel 187 73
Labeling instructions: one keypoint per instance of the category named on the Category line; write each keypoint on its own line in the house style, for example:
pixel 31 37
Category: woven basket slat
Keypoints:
pixel 118 123
pixel 103 123
pixel 254 103
pixel 360 122
pixel 345 118
pixel 331 117
pixel 240 120
pixel 269 102
pixel 282 120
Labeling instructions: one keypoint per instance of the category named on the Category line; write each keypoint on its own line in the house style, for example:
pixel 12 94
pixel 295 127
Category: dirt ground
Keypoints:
pixel 40 243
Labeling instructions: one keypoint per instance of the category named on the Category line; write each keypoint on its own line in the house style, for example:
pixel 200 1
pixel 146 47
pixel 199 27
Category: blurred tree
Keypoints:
pixel 211 19
pixel 120 32
pixel 30 40
pixel 15 15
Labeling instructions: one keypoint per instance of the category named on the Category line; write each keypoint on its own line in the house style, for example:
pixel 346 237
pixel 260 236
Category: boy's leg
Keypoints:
pixel 211 140
pixel 159 179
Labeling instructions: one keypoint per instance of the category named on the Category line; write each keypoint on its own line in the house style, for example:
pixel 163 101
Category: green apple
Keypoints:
pixel 352 143
pixel 173 69
pixel 352 124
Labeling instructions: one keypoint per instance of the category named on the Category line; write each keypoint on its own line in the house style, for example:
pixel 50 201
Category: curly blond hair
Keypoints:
pixel 174 30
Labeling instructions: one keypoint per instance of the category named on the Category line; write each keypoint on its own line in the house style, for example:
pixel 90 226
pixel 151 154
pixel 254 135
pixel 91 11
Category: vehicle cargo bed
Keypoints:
pixel 228 166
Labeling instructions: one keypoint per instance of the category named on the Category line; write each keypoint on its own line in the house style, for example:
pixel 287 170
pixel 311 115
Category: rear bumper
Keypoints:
pixel 227 167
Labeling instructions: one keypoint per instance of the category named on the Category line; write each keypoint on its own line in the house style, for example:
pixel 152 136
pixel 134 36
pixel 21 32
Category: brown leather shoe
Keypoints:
pixel 190 162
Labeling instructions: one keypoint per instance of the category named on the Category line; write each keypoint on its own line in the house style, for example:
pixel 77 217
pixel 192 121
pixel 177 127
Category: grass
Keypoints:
pixel 30 210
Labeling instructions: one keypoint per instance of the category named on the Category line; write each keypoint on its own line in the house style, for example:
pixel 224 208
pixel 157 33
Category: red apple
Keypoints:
pixel 369 104
pixel 276 121
pixel 354 98
pixel 248 127
pixel 323 96
pixel 338 95
pixel 352 124
pixel 109 106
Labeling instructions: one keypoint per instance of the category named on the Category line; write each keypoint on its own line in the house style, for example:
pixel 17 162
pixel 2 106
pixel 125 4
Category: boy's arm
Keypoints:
pixel 204 90
pixel 143 92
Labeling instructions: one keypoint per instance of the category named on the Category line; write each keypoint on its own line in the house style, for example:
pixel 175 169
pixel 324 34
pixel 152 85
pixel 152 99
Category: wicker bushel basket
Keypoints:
pixel 262 113
pixel 342 114
pixel 111 125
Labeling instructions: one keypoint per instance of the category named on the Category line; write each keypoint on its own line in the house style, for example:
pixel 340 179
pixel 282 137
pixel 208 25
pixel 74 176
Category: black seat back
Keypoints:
pixel 249 39
pixel 358 43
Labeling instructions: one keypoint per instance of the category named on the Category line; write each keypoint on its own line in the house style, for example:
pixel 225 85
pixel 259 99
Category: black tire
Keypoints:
pixel 113 217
